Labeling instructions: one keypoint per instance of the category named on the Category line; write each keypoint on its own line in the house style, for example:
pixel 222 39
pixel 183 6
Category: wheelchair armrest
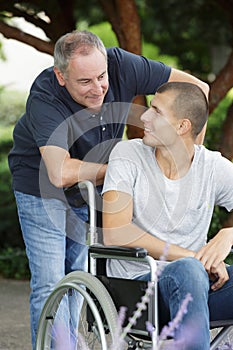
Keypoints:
pixel 136 252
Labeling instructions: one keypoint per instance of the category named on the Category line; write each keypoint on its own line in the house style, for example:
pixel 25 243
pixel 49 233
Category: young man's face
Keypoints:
pixel 86 79
pixel 160 126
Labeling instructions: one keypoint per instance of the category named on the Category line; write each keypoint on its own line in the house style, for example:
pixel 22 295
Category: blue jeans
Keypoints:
pixel 55 240
pixel 188 275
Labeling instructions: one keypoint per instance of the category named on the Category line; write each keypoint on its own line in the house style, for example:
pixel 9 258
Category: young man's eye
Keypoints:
pixel 157 111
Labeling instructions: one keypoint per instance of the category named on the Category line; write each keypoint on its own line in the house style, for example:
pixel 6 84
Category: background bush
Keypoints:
pixel 12 106
pixel 213 141
pixel 14 263
pixel 13 260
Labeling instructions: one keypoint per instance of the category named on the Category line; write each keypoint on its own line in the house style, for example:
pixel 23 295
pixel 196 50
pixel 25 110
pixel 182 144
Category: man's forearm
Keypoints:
pixel 217 249
pixel 132 236
pixel 64 171
pixel 178 75
pixel 75 170
pixel 118 228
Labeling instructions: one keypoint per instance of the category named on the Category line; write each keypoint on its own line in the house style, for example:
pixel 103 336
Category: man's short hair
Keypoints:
pixel 190 102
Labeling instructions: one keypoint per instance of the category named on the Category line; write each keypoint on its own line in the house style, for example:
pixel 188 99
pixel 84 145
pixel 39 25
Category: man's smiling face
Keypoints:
pixel 160 125
pixel 86 78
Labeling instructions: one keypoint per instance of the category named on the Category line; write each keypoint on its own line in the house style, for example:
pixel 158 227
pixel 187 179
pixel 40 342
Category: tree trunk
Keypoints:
pixel 222 84
pixel 226 147
pixel 125 22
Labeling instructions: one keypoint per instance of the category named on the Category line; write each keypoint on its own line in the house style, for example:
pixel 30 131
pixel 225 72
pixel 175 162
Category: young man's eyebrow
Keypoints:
pixel 155 107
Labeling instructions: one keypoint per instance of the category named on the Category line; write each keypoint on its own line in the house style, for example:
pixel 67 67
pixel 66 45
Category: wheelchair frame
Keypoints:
pixel 98 290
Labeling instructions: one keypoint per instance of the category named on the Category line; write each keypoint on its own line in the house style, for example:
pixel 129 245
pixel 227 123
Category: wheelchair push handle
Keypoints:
pixel 96 248
pixel 91 201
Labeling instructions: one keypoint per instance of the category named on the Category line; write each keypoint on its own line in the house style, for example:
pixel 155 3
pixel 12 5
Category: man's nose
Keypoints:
pixel 97 87
pixel 145 116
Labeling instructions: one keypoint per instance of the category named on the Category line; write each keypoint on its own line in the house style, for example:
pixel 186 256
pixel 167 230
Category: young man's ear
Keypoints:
pixel 184 126
pixel 59 76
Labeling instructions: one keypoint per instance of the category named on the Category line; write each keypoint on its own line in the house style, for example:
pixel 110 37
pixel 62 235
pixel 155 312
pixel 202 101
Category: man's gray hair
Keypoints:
pixel 68 44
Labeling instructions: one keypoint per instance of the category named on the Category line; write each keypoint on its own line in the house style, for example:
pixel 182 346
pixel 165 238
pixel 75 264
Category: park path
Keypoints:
pixel 14 315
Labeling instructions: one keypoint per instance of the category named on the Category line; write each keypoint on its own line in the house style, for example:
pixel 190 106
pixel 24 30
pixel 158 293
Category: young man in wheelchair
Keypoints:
pixel 163 190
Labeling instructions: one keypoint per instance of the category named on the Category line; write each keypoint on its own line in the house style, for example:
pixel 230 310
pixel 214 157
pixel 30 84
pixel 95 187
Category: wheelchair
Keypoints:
pixel 82 311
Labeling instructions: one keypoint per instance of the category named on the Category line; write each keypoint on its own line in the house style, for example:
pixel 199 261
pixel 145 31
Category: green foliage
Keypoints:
pixel 105 32
pixel 2 55
pixel 88 13
pixel 149 50
pixel 14 263
pixel 152 51
pixel 13 260
pixel 187 32
pixel 219 216
pixel 10 233
pixel 229 259
pixel 215 122
pixel 212 141
pixel 12 106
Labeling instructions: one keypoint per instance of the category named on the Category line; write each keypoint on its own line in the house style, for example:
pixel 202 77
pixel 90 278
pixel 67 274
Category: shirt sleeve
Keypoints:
pixel 121 170
pixel 139 74
pixel 47 124
pixel 224 182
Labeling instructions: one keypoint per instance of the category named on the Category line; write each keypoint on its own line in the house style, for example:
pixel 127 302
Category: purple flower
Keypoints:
pixel 117 340
pixel 169 331
pixel 226 346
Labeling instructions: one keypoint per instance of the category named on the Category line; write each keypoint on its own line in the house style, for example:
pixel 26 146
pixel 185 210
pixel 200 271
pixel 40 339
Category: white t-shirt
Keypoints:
pixel 176 211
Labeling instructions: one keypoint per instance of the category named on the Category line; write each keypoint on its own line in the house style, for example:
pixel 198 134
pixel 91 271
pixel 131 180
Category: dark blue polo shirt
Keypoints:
pixel 53 118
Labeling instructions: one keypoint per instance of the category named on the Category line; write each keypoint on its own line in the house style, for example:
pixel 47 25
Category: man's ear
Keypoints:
pixel 184 126
pixel 59 76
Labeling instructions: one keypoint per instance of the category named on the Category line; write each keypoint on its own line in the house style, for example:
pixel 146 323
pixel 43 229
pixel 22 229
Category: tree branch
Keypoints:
pixel 31 18
pixel 17 34
pixel 226 147
pixel 222 84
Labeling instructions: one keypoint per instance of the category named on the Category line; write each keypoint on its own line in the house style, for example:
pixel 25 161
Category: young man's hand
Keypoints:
pixel 213 254
pixel 219 276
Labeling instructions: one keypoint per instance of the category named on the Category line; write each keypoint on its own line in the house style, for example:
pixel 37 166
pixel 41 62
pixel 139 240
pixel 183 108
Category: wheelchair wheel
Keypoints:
pixel 78 315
